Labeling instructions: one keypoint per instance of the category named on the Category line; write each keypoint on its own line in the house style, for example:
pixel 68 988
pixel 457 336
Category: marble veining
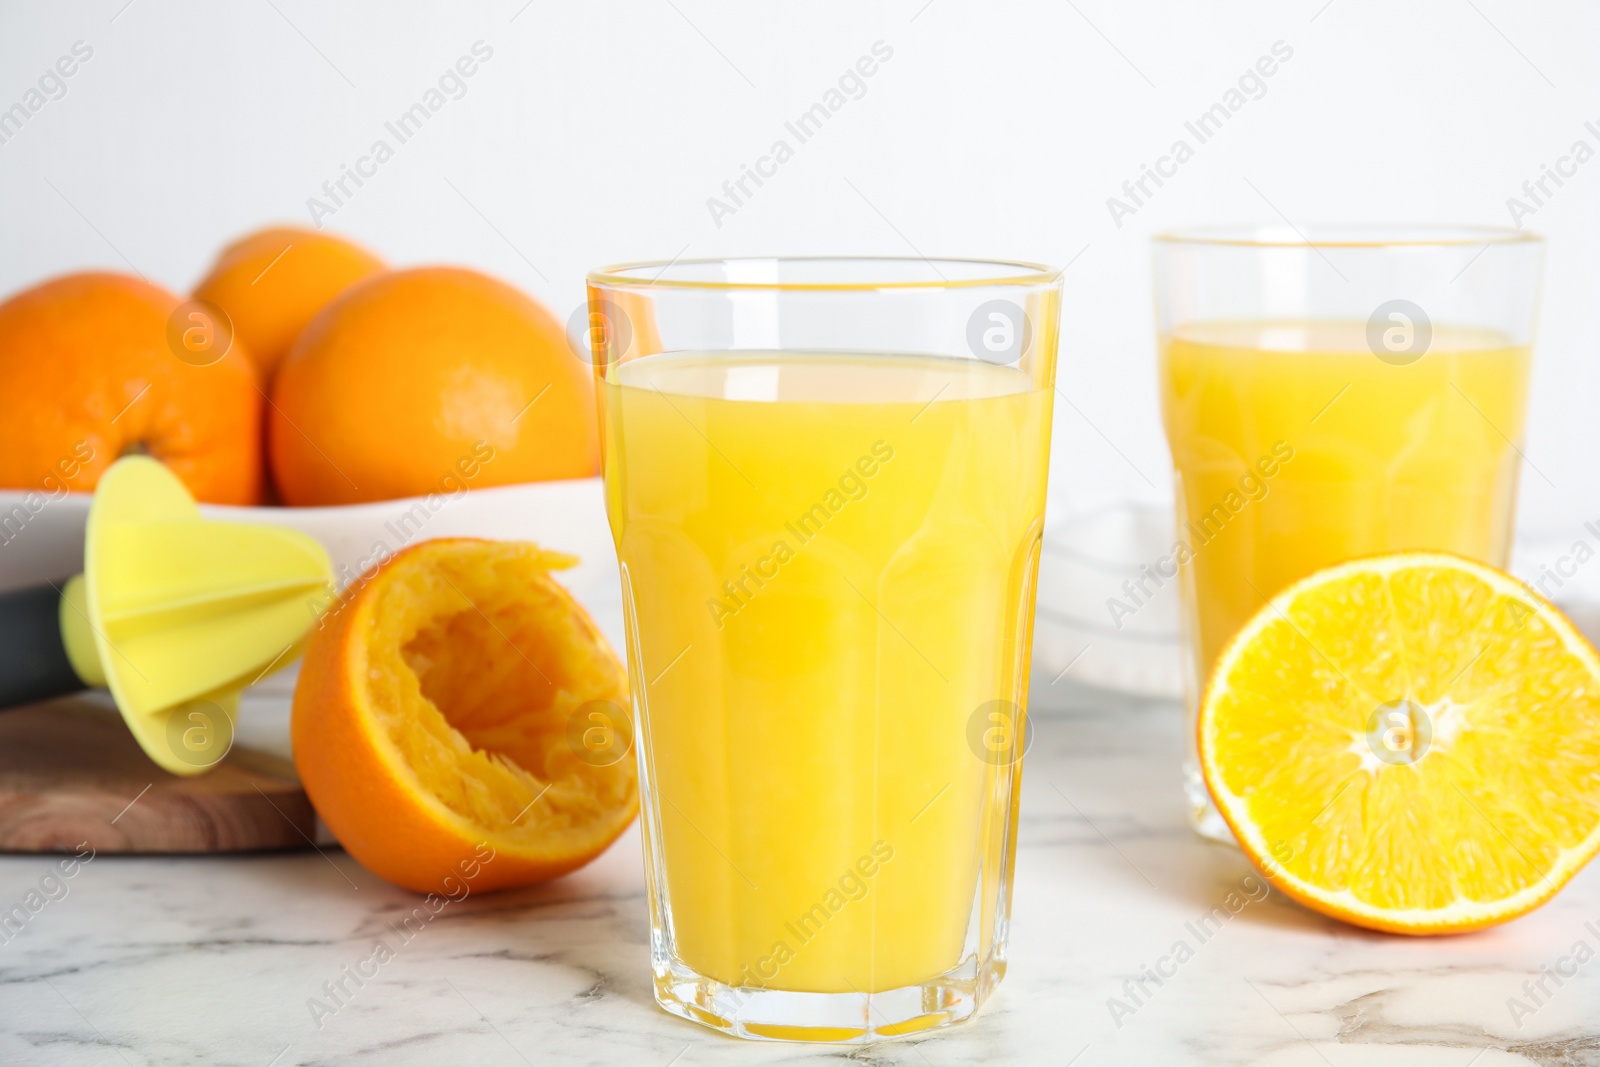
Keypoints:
pixel 225 961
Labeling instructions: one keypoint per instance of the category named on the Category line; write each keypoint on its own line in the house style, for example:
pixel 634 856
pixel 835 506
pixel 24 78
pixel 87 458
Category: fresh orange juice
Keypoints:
pixel 1296 448
pixel 828 563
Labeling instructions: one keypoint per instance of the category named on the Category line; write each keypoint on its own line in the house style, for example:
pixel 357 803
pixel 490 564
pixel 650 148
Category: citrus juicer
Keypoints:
pixel 173 613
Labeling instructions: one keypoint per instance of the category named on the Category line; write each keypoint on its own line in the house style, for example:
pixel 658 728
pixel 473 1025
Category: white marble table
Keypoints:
pixel 213 962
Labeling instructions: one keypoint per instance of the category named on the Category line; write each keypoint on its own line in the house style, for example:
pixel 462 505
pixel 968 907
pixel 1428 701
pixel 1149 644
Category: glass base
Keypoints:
pixel 1203 814
pixel 840 1018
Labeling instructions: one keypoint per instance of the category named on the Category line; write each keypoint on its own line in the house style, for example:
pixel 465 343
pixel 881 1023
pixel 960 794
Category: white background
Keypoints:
pixel 597 132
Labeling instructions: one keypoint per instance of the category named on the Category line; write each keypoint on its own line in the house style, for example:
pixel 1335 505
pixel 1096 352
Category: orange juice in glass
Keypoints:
pixel 826 480
pixel 1332 395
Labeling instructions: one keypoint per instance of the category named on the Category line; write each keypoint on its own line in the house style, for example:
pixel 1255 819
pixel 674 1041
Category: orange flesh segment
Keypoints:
pixel 475 665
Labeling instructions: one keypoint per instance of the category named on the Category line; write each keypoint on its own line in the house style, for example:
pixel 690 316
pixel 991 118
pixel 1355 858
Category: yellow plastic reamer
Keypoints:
pixel 173 613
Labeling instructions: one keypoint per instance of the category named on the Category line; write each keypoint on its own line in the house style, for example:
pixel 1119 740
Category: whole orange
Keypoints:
pixel 461 724
pixel 274 281
pixel 415 379
pixel 88 374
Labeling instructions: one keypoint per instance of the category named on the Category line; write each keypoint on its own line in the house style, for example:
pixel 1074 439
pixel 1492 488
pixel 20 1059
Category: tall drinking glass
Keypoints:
pixel 1331 394
pixel 826 482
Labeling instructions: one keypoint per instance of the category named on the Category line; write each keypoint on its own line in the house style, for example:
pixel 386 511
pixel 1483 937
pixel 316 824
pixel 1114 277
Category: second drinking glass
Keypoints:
pixel 1329 395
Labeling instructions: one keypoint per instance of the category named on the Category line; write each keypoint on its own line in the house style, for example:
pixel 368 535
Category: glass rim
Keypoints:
pixel 974 273
pixel 1346 235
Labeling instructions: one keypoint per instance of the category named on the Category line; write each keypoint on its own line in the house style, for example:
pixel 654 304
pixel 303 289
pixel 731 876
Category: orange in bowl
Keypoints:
pixel 91 369
pixel 415 378
pixel 273 282
pixel 459 716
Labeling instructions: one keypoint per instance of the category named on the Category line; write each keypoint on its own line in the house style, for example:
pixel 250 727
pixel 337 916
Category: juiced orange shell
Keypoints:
pixel 434 720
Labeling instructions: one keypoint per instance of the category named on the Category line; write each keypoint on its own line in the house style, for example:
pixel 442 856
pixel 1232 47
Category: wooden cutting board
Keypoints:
pixel 70 773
